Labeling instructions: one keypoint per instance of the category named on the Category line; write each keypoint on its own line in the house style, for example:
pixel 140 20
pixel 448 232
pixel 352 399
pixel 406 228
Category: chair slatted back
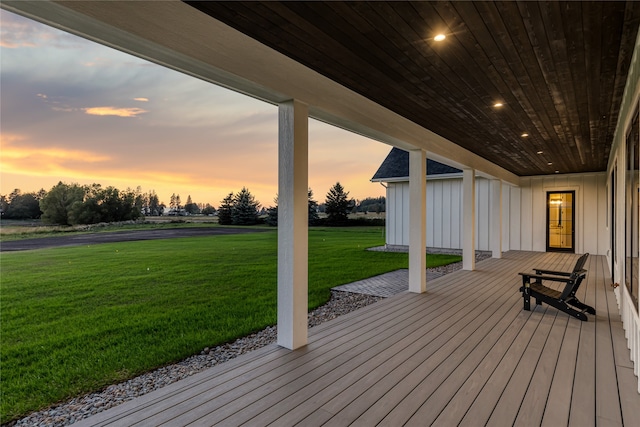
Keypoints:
pixel 577 275
pixel 580 263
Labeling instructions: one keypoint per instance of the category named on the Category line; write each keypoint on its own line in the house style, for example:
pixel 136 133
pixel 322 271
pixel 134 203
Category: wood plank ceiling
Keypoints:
pixel 558 68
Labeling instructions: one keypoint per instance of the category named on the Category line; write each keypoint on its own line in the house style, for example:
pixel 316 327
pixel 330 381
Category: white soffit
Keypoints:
pixel 175 35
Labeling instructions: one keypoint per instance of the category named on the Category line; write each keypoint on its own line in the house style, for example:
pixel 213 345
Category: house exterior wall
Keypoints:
pixel 617 166
pixel 523 213
pixel 441 234
pixel 397 214
pixel 528 231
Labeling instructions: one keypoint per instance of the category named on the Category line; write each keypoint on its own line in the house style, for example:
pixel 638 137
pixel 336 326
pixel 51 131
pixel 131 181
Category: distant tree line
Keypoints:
pixel 189 208
pixel 372 204
pixel 337 207
pixel 72 204
pixel 243 209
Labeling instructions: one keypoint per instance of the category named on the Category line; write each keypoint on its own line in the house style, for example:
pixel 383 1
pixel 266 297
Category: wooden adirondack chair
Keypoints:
pixel 566 300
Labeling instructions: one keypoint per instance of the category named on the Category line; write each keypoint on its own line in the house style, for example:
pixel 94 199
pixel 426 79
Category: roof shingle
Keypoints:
pixel 396 165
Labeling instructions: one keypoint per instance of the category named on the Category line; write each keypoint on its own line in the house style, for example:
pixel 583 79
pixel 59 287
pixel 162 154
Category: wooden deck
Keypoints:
pixel 465 353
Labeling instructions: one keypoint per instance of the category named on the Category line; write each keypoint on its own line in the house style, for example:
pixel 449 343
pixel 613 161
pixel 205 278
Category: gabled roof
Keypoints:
pixel 396 165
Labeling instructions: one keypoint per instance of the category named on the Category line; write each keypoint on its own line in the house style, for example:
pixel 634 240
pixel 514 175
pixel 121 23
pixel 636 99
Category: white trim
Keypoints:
pixel 578 232
pixel 396 179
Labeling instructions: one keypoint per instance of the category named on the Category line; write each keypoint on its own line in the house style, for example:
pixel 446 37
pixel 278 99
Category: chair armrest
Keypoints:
pixel 552 278
pixel 556 273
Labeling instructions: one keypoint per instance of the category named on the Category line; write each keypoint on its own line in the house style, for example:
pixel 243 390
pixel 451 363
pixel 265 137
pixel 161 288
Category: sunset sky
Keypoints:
pixel 78 112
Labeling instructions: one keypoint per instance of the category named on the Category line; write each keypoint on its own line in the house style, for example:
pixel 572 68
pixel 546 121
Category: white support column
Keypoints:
pixel 496 218
pixel 417 221
pixel 293 240
pixel 469 219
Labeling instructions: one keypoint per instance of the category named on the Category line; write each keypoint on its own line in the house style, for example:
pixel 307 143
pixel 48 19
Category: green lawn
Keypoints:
pixel 74 320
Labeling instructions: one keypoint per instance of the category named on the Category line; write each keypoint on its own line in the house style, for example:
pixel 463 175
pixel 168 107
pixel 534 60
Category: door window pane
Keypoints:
pixel 560 224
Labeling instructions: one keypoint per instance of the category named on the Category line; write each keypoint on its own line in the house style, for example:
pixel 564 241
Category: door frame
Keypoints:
pixel 572 249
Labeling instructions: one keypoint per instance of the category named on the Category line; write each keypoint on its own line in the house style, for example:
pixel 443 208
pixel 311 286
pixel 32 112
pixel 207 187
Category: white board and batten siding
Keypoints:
pixel 590 216
pixel 523 213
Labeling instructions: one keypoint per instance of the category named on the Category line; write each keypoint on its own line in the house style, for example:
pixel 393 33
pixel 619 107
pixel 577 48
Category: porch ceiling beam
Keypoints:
pixel 173 34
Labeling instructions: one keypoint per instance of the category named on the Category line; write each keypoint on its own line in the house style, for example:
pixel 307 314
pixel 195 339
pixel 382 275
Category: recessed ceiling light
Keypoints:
pixel 557 171
pixel 550 163
pixel 524 135
pixel 540 152
pixel 498 104
pixel 440 37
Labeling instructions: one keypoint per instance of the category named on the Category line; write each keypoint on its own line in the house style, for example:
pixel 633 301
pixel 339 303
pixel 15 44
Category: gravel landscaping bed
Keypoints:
pixel 83 407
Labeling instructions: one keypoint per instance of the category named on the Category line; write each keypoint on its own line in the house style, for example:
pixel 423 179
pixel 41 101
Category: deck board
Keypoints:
pixel 510 402
pixel 464 353
pixel 607 398
pixel 535 398
pixel 559 398
pixel 483 405
pixel 583 402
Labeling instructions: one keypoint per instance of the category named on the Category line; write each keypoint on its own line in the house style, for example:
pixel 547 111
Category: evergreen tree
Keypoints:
pixel 139 199
pixel 190 207
pixel 337 205
pixel 314 219
pixel 272 211
pixel 272 214
pixel 224 211
pixel 153 204
pixel 245 208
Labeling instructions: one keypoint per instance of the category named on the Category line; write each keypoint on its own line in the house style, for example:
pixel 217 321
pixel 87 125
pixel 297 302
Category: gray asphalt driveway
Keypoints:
pixel 119 236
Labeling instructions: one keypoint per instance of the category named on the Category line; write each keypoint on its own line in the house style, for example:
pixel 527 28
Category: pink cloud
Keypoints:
pixel 114 111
